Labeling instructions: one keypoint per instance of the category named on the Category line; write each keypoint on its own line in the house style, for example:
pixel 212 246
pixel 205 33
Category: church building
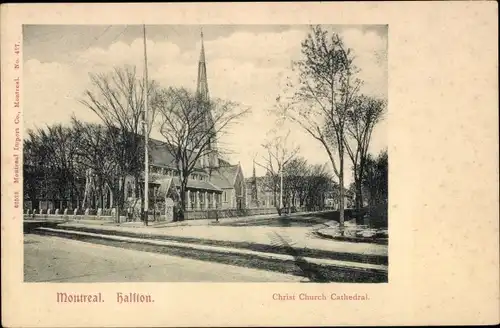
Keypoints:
pixel 214 184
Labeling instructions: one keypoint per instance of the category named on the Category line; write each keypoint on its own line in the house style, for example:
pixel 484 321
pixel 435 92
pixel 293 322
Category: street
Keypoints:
pixel 53 259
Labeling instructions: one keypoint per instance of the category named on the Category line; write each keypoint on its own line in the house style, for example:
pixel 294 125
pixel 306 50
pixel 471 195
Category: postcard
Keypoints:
pixel 249 164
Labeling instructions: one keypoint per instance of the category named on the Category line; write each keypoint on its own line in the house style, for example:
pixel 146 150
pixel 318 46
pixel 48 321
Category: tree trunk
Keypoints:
pixel 276 201
pixel 121 197
pixel 360 178
pixel 341 186
pixel 101 196
pixel 359 193
pixel 182 200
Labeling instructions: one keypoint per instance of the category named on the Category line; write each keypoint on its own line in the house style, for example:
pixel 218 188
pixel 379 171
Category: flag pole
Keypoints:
pixel 146 132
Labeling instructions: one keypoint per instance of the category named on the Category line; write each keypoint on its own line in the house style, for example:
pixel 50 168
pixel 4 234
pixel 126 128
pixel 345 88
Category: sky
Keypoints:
pixel 245 63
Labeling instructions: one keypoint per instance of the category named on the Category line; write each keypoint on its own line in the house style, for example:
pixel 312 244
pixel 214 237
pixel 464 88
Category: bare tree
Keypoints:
pixel 278 153
pixel 294 180
pixel 362 117
pixel 375 179
pixel 49 163
pixel 117 98
pixel 318 184
pixel 190 126
pixel 95 149
pixel 376 185
pixel 322 95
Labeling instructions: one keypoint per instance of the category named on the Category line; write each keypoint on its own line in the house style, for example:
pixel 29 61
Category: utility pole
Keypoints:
pixel 146 132
pixel 281 186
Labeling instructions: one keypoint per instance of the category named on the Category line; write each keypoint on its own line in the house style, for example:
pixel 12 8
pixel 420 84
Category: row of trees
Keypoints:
pixel 114 149
pixel 324 99
pixel 289 177
pixel 307 184
pixel 59 161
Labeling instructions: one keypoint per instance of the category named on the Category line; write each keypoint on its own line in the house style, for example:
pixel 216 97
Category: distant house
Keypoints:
pixel 332 199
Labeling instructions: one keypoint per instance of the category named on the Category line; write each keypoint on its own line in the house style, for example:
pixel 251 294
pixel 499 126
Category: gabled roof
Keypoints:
pixel 165 182
pixel 159 154
pixel 225 176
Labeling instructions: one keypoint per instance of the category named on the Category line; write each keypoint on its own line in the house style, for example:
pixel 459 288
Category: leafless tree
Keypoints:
pixel 49 163
pixel 117 98
pixel 294 180
pixel 322 95
pixel 190 126
pixel 362 117
pixel 95 152
pixel 279 151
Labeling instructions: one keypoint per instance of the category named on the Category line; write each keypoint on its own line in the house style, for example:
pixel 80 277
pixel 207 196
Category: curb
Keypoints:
pixel 353 239
pixel 355 266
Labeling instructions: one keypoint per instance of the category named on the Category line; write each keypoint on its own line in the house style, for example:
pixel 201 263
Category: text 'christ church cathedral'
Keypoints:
pixel 214 183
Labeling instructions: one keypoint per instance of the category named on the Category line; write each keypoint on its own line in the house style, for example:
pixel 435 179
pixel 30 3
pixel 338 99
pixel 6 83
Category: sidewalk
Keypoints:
pixel 198 222
pixel 228 250
pixel 298 237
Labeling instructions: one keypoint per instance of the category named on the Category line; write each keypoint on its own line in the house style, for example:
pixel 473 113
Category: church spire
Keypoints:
pixel 254 200
pixel 202 86
pixel 202 52
pixel 202 92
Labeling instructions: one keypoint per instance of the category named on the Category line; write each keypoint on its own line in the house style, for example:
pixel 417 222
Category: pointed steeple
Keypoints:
pixel 202 86
pixel 202 52
pixel 254 200
pixel 202 92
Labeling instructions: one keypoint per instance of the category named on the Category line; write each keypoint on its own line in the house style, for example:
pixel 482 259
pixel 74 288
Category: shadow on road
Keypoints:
pixel 307 269
pixel 30 226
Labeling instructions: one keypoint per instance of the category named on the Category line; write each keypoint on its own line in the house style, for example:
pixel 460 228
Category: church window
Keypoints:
pixel 191 196
pixel 129 189
pixel 210 200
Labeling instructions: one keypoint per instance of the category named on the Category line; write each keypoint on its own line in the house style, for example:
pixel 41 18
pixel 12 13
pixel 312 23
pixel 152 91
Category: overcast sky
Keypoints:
pixel 244 63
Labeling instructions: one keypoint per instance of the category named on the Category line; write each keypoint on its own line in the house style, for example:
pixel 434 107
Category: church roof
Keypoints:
pixel 192 184
pixel 159 154
pixel 225 176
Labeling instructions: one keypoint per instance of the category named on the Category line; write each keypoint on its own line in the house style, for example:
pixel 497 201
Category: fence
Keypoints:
pixel 91 214
pixel 110 214
pixel 227 213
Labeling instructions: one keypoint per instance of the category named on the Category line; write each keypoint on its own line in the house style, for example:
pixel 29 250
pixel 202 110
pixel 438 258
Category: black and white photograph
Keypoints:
pixel 205 153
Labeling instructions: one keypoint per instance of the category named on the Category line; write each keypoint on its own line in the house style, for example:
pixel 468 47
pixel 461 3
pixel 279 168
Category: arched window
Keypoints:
pixel 129 189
